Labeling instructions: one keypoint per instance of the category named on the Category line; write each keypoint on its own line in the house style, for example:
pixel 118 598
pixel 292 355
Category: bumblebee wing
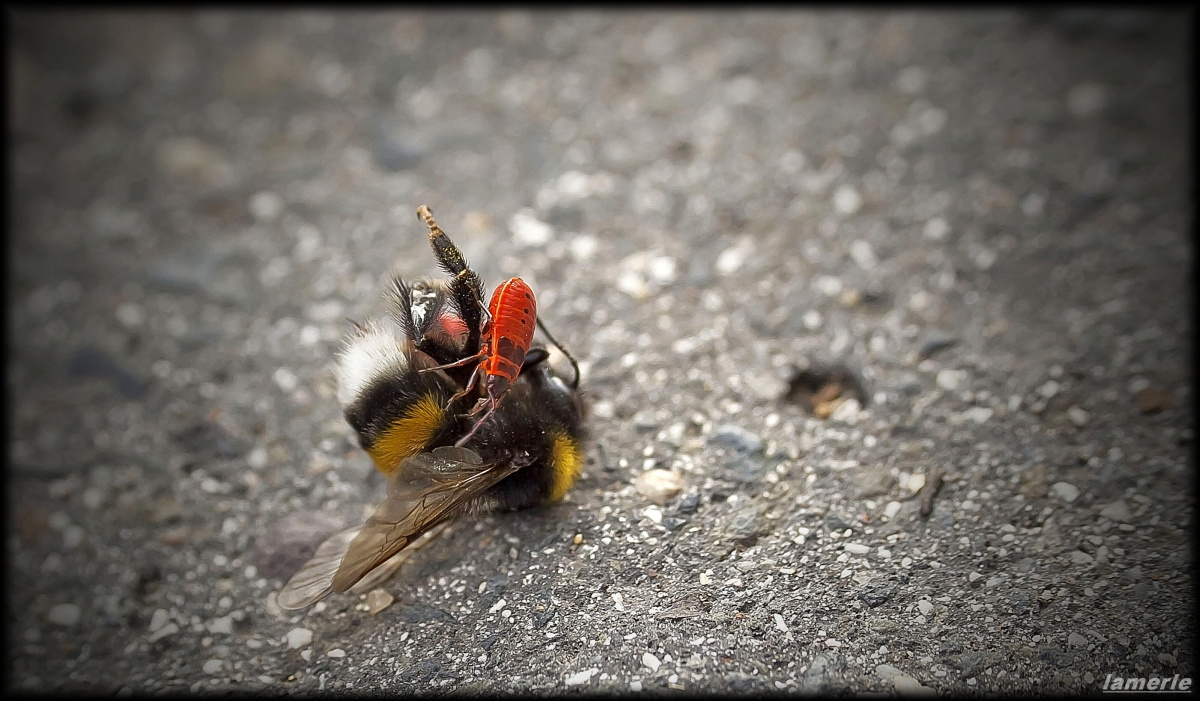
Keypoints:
pixel 381 574
pixel 312 582
pixel 426 490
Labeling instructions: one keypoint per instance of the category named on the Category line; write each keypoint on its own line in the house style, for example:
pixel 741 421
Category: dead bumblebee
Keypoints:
pixel 409 398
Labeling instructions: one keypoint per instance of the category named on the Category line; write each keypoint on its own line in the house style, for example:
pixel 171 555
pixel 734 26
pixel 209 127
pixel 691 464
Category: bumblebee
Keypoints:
pixel 407 392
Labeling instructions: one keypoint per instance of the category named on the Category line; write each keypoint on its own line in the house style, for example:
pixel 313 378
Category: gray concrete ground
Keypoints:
pixel 984 216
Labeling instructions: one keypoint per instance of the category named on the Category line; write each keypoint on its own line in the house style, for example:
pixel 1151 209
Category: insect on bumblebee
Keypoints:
pixel 400 392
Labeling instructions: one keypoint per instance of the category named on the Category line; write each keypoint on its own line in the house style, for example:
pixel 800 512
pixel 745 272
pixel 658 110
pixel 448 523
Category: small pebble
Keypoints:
pixel 1079 557
pixel 658 485
pixel 266 206
pixel 1064 491
pixel 925 607
pixel 1078 416
pixel 974 577
pixel 65 615
pixel 856 548
pixel 846 199
pixel 979 414
pixel 1117 511
pixel 651 661
pixel 169 629
pixel 1077 640
pixel 378 600
pixel 892 508
pixel 936 229
pixel 297 638
pixel 336 653
pixel 950 379
pixel 221 626
pixel 581 677
pixel 285 379
pixel 158 619
pixel 528 230
pixel 213 666
pixel 635 686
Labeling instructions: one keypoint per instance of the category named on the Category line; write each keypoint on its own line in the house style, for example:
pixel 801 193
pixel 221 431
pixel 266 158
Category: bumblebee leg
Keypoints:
pixel 455 364
pixel 465 390
pixel 491 404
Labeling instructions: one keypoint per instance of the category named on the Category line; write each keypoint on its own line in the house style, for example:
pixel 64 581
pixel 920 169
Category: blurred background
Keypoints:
pixel 979 219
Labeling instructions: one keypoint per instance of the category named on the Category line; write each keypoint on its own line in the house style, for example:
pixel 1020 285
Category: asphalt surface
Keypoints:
pixel 981 220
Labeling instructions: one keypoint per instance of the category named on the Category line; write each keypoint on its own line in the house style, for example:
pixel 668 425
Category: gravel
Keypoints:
pixel 703 203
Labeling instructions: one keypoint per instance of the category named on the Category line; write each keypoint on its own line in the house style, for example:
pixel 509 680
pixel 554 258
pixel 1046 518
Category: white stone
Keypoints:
pixel 925 607
pixel 285 379
pixel 856 548
pixel 651 661
pixel 662 270
pixel 1079 557
pixel 1078 416
pixel 1117 511
pixel 257 458
pixel 580 677
pixel 168 629
pixel 158 619
pixel 658 485
pixel 846 199
pixel 936 229
pixel 733 258
pixel 130 315
pixel 297 638
pixel 633 283
pixel 892 508
pixel 266 206
pixel 1064 491
pixel 65 615
pixel 950 379
pixel 528 230
pixel 336 653
pixel 862 254
pixel 979 414
pixel 213 666
pixel 221 626
pixel 1077 640
pixel 846 412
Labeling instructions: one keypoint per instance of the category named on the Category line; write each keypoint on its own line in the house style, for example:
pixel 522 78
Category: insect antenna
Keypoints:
pixel 574 365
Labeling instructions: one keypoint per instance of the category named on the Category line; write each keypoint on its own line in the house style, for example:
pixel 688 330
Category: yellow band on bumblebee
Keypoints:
pixel 566 462
pixel 408 435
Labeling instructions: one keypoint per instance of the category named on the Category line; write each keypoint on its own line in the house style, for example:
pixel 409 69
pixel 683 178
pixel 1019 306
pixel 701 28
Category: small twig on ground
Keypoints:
pixel 933 484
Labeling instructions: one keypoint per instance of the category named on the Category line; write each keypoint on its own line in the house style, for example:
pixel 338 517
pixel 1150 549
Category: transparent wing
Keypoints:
pixel 312 582
pixel 428 489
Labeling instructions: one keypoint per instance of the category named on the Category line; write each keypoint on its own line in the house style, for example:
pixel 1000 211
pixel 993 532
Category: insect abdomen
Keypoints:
pixel 514 315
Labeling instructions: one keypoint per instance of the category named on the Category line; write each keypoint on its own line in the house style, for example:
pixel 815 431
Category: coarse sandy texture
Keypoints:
pixel 985 217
